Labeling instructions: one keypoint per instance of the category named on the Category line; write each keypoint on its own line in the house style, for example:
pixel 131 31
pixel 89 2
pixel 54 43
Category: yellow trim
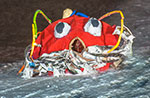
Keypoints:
pixel 33 41
pixel 122 24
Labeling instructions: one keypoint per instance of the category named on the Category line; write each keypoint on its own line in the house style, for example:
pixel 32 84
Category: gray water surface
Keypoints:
pixel 132 81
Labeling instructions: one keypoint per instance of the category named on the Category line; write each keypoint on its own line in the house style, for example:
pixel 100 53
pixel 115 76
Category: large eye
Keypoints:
pixel 61 29
pixel 93 26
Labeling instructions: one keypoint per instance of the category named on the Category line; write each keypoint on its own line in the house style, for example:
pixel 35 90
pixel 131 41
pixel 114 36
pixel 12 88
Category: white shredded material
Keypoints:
pixel 92 58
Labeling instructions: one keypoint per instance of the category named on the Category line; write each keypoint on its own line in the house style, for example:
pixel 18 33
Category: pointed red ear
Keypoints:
pixel 109 38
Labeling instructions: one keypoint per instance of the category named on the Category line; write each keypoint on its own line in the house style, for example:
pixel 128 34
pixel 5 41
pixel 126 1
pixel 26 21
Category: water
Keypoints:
pixel 132 81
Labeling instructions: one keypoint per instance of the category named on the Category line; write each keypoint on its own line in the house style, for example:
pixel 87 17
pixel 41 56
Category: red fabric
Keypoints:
pixel 51 44
pixel 82 69
pixel 67 71
pixel 50 73
pixel 106 67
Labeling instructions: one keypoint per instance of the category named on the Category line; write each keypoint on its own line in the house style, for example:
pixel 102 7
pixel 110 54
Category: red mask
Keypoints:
pixel 59 35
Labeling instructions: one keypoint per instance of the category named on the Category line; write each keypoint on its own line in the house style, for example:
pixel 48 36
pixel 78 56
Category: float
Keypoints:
pixel 77 44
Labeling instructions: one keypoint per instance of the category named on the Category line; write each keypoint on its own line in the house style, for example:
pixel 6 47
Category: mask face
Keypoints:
pixel 89 32
pixel 77 45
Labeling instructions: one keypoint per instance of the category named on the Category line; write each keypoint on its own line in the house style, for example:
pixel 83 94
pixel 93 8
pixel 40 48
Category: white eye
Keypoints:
pixel 93 26
pixel 61 29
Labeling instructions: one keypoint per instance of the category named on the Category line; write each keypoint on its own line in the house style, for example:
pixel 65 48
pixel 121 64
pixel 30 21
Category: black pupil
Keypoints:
pixel 59 27
pixel 94 22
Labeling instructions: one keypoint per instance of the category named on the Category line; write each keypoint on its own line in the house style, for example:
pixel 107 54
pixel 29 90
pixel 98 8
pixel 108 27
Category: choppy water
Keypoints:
pixel 132 81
